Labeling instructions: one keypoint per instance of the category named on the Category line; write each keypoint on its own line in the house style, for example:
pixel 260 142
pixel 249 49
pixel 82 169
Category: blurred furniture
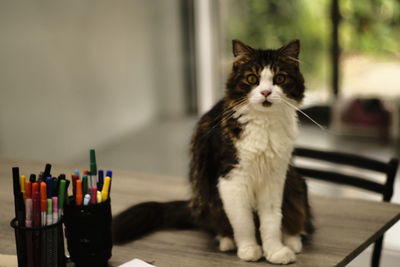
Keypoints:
pixel 335 243
pixel 389 169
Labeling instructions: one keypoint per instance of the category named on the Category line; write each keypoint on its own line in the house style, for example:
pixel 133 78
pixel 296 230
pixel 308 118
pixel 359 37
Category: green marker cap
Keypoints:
pixel 84 185
pixel 93 165
pixel 61 194
pixel 49 206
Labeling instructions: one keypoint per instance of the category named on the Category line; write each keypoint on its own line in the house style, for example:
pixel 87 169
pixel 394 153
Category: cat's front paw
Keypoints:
pixel 226 243
pixel 250 253
pixel 293 242
pixel 282 256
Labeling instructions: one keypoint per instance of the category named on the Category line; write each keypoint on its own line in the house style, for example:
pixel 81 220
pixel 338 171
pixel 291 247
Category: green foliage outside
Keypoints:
pixel 368 26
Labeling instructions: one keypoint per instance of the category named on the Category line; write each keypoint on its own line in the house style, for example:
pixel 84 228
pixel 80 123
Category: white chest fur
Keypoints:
pixel 264 151
pixel 267 140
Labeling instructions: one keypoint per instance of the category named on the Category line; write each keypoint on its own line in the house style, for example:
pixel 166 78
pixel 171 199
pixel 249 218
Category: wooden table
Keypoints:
pixel 344 227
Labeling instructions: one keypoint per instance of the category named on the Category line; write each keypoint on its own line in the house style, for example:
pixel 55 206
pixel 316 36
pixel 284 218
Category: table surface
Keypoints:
pixel 344 227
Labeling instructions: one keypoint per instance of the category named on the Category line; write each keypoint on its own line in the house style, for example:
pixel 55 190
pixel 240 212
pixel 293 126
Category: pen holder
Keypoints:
pixel 88 233
pixel 39 246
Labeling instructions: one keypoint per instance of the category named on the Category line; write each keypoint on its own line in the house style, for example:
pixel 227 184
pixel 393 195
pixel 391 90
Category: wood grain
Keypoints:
pixel 344 226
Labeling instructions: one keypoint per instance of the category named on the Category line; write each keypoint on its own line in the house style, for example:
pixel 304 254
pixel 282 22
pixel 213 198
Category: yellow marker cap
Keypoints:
pixel 98 197
pixel 22 183
pixel 106 187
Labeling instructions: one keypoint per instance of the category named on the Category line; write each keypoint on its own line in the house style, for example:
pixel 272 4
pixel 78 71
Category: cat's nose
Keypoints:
pixel 266 92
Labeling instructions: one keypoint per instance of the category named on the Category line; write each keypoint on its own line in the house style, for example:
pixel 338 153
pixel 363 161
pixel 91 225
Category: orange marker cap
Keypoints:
pixel 43 191
pixel 28 189
pixel 78 197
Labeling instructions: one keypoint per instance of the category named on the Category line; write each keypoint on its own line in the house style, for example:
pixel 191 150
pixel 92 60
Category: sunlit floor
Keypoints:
pixel 163 148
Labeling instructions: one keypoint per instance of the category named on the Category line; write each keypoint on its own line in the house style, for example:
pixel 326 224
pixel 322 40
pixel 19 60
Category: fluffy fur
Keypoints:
pixel 240 155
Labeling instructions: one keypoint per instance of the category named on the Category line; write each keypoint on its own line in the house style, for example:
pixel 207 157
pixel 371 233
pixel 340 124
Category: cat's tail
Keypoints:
pixel 146 217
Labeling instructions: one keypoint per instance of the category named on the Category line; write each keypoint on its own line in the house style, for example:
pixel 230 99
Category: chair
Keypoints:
pixel 361 162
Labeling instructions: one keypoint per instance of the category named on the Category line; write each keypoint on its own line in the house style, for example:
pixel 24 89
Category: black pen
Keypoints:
pixel 20 215
pixel 47 171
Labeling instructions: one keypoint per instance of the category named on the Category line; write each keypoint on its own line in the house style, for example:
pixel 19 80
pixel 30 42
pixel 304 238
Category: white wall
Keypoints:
pixel 76 74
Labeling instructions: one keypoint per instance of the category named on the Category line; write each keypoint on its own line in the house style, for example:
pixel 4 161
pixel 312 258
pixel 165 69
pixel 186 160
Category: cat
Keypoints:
pixel 240 171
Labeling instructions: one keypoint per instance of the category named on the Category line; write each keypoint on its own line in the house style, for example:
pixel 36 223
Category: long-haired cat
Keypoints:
pixel 240 171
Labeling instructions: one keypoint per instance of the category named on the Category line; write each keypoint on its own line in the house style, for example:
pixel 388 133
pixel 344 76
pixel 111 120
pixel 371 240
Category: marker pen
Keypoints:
pixel 61 197
pixel 28 190
pixel 35 189
pixel 49 211
pixel 101 180
pixel 32 178
pixel 36 208
pixel 55 209
pixel 28 209
pixel 109 174
pixel 93 195
pixel 22 184
pixel 43 202
pixel 86 200
pixel 87 174
pixel 106 186
pixel 98 197
pixel 74 177
pixel 76 172
pixel 84 184
pixel 49 183
pixel 54 187
pixel 93 168
pixel 47 170
pixel 78 196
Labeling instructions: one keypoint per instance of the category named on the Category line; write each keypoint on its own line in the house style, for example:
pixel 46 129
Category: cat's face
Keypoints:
pixel 266 78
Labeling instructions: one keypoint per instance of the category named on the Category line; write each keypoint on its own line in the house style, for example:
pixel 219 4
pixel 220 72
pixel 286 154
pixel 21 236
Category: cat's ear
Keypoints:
pixel 240 49
pixel 291 50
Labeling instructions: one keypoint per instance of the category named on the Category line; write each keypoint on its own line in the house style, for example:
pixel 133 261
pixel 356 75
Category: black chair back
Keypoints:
pixel 389 169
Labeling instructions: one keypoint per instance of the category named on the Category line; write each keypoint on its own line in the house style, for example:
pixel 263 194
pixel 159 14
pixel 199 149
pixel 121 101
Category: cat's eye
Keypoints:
pixel 252 79
pixel 280 79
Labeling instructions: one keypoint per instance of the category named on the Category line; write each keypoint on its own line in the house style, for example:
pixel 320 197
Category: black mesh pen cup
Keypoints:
pixel 39 246
pixel 88 233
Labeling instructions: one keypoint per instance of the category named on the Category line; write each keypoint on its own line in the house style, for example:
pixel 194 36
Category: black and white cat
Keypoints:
pixel 240 165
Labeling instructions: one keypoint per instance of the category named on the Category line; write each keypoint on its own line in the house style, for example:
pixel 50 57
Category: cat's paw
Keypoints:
pixel 282 256
pixel 226 243
pixel 293 242
pixel 250 253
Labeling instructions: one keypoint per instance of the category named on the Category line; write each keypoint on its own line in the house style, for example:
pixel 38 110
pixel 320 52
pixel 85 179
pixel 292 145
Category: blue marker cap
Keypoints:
pixel 77 173
pixel 109 173
pixel 101 180
pixel 49 183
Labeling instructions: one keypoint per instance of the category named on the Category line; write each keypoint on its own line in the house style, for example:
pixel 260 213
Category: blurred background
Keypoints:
pixel 130 78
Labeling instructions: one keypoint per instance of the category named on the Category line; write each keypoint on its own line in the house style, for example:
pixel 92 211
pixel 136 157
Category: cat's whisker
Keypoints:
pixel 227 114
pixel 302 112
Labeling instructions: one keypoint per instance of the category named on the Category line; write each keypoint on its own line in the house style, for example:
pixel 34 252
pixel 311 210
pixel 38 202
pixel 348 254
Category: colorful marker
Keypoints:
pixel 78 196
pixel 55 209
pixel 22 184
pixel 28 189
pixel 49 211
pixel 86 200
pixel 98 197
pixel 106 186
pixel 74 177
pixel 93 168
pixel 28 210
pixel 93 195
pixel 43 203
pixel 61 197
